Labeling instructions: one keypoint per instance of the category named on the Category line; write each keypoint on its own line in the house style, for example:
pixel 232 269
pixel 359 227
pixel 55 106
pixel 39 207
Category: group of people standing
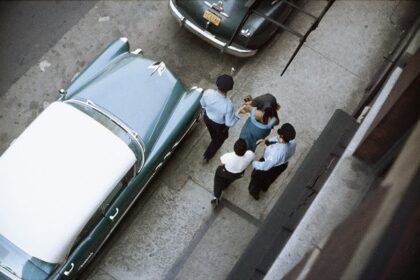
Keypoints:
pixel 220 115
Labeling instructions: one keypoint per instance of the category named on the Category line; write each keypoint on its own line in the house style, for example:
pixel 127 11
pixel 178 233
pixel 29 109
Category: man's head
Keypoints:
pixel 240 147
pixel 224 83
pixel 287 132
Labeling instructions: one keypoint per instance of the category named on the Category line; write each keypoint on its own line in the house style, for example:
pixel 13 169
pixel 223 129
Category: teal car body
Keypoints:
pixel 141 102
pixel 229 25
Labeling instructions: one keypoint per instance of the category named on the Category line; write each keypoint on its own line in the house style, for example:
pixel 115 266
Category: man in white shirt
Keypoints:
pixel 232 167
pixel 276 157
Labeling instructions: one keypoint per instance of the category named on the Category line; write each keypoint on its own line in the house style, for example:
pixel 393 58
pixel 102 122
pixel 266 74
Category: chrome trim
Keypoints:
pixel 196 88
pixel 200 115
pixel 214 4
pixel 167 155
pixel 10 274
pixel 207 36
pixel 139 193
pixel 159 166
pixel 86 261
pixel 134 135
pixel 137 51
pixel 245 32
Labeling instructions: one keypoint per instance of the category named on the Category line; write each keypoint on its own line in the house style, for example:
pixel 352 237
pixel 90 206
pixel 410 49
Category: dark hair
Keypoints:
pixel 240 147
pixel 268 113
pixel 287 132
pixel 224 83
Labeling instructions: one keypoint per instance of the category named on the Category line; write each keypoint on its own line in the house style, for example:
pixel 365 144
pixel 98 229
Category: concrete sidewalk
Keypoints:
pixel 174 233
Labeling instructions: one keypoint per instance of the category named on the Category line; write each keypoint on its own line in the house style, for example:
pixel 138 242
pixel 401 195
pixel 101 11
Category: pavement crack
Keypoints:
pixel 198 236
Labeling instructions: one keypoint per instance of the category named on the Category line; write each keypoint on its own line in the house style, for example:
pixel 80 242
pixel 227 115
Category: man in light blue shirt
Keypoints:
pixel 219 114
pixel 276 157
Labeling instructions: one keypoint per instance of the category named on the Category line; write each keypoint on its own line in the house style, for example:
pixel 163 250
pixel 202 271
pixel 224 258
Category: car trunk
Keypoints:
pixel 235 10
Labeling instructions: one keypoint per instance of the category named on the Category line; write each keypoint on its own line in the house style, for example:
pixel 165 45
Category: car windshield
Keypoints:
pixel 15 262
pixel 112 126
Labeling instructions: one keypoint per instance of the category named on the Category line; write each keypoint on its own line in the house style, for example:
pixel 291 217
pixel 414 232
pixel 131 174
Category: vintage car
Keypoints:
pixel 69 178
pixel 237 27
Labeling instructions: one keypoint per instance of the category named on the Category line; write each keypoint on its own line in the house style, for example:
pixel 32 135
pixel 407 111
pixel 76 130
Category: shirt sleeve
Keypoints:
pixel 264 165
pixel 271 141
pixel 272 122
pixel 250 156
pixel 224 158
pixel 203 100
pixel 231 117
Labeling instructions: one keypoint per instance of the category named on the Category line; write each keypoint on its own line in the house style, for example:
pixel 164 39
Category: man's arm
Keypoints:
pixel 232 117
pixel 203 100
pixel 264 165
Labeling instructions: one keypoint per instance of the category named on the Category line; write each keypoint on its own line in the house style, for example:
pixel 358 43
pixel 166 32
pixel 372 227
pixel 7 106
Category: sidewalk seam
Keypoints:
pixel 333 61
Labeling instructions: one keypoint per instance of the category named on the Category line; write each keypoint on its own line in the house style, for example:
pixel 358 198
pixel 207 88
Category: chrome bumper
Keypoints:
pixel 207 36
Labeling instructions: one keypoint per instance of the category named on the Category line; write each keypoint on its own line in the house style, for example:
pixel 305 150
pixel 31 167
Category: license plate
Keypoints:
pixel 212 18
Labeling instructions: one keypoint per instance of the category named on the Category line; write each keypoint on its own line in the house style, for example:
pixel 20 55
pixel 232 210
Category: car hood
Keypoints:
pixel 138 91
pixel 193 10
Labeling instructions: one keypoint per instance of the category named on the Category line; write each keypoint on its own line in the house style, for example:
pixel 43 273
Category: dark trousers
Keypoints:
pixel 222 180
pixel 218 134
pixel 261 180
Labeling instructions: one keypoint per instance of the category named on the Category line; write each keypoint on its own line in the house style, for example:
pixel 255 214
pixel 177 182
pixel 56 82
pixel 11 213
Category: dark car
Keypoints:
pixel 237 27
pixel 69 178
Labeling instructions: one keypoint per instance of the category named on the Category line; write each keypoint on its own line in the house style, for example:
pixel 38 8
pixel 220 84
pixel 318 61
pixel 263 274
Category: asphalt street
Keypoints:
pixel 28 29
pixel 172 232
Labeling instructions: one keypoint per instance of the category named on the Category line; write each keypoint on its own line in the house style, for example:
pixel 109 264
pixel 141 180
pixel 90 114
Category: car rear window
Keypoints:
pixel 18 263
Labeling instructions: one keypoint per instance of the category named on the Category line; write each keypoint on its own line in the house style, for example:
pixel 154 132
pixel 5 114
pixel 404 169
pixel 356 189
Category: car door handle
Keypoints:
pixel 67 273
pixel 115 215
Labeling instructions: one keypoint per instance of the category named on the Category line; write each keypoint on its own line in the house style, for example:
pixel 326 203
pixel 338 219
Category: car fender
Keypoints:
pixel 116 48
pixel 182 116
pixel 261 29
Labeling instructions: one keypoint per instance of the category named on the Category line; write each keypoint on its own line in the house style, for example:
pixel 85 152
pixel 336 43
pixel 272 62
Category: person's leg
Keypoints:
pixel 272 175
pixel 218 134
pixel 219 182
pixel 222 180
pixel 230 177
pixel 213 135
pixel 255 183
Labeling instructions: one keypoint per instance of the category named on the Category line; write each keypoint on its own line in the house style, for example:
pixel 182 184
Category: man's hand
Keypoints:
pixel 241 110
pixel 248 99
pixel 260 141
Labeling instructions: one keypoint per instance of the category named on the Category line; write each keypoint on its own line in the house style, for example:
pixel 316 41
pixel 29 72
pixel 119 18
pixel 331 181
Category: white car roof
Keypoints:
pixel 54 177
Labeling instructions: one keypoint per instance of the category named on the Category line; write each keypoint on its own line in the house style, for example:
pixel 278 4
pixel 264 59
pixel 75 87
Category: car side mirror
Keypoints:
pixel 62 91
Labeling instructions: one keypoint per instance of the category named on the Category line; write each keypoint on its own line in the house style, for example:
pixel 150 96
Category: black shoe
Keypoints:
pixel 215 201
